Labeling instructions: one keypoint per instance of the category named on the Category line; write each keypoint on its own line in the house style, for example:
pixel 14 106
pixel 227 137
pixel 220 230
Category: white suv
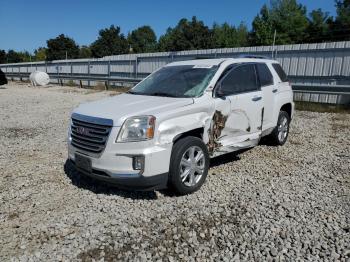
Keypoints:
pixel 163 132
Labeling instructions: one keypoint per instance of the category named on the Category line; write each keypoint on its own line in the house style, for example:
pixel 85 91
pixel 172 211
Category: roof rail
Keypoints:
pixel 203 57
pixel 253 56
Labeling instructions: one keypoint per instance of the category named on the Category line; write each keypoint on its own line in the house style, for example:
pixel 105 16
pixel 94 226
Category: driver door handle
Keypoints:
pixel 256 98
pixel 274 90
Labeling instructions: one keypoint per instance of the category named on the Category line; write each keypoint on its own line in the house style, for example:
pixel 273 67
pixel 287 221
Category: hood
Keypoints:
pixel 120 107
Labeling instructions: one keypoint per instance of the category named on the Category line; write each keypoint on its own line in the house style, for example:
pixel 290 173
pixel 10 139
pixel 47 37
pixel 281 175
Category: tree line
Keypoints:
pixel 287 18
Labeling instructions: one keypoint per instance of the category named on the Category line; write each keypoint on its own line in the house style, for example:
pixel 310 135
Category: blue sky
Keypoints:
pixel 27 24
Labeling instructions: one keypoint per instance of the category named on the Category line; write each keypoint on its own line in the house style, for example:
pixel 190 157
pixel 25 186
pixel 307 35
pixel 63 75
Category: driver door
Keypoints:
pixel 244 120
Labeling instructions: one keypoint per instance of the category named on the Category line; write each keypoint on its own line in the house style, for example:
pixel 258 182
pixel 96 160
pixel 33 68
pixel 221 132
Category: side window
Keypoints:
pixel 224 73
pixel 240 80
pixel 280 72
pixel 265 76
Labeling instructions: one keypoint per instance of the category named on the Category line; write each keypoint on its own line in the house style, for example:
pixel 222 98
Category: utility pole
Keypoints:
pixel 130 51
pixel 274 42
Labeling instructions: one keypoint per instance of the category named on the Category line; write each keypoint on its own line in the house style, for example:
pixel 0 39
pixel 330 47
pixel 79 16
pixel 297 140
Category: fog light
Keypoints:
pixel 138 162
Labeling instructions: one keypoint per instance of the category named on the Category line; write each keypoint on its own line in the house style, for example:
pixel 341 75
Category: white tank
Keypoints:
pixel 38 78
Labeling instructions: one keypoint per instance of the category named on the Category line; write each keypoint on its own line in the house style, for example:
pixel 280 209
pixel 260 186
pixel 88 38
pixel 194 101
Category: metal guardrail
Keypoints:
pixel 301 88
pixel 322 89
pixel 321 92
pixel 78 77
pixel 325 94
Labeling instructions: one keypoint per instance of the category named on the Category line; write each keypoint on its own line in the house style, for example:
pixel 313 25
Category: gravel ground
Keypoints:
pixel 285 203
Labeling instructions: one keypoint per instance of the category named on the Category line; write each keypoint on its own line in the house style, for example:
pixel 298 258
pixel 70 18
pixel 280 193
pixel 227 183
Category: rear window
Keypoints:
pixel 265 76
pixel 280 72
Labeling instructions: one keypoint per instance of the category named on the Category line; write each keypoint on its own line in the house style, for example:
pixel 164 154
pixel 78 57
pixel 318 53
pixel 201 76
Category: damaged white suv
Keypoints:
pixel 163 132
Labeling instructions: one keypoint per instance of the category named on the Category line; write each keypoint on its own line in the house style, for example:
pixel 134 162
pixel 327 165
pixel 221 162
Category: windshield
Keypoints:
pixel 176 81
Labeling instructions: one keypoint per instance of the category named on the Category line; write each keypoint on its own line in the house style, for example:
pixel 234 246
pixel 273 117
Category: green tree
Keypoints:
pixel 262 31
pixel 226 35
pixel 13 57
pixel 242 35
pixel 343 13
pixel 142 40
pixel 85 52
pixel 59 47
pixel 109 42
pixel 40 54
pixel 287 17
pixel 187 35
pixel 340 28
pixel 165 42
pixel 318 27
pixel 3 57
pixel 25 56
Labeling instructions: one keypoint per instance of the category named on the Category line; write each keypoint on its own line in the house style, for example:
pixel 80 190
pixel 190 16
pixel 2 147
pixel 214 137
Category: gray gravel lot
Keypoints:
pixel 266 204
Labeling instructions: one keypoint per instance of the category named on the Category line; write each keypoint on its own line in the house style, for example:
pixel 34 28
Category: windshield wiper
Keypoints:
pixel 134 93
pixel 161 94
pixel 151 94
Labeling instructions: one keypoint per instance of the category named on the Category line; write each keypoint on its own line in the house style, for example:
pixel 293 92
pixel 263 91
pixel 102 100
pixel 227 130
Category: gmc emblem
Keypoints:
pixel 82 130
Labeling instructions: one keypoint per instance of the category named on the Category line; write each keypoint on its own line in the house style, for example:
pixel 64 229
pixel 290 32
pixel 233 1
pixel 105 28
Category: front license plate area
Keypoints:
pixel 83 163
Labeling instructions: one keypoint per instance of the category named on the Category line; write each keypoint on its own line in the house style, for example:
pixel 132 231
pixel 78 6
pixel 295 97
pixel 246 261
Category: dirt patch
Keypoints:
pixel 340 122
pixel 295 141
pixel 13 215
pixel 321 108
pixel 114 93
pixel 16 132
pixel 203 228
pixel 78 91
pixel 107 252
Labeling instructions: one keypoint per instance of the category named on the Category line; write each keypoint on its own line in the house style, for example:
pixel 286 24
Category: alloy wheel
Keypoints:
pixel 283 126
pixel 192 166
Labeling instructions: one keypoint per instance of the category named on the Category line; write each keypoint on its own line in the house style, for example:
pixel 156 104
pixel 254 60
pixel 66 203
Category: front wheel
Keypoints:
pixel 280 134
pixel 189 165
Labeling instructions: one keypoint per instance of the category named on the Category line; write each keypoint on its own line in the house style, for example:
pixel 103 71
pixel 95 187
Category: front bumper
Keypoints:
pixel 114 165
pixel 129 181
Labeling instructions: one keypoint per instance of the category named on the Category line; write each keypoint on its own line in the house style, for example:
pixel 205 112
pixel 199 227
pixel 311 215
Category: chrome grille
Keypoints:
pixel 90 134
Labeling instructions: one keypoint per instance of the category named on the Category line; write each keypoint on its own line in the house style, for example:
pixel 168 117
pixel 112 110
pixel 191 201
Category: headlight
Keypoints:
pixel 138 128
pixel 69 131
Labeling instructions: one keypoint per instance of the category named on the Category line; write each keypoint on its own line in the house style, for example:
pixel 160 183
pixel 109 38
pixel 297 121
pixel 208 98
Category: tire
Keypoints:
pixel 279 135
pixel 188 171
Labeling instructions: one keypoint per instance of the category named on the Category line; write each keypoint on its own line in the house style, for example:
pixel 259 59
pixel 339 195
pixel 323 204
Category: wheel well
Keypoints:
pixel 198 132
pixel 287 108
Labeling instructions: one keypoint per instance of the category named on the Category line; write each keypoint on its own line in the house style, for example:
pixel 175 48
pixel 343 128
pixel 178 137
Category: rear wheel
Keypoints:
pixel 279 135
pixel 189 165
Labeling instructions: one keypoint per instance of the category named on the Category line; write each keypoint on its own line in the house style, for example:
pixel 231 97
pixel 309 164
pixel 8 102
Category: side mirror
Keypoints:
pixel 218 91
